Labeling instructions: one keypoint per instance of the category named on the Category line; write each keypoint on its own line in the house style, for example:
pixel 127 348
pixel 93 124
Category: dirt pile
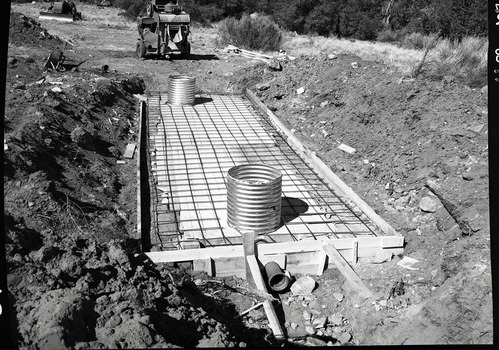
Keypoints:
pixel 419 156
pixel 74 277
pixel 25 30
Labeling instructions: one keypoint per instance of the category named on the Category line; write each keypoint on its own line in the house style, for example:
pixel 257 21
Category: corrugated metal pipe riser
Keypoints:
pixel 254 198
pixel 181 90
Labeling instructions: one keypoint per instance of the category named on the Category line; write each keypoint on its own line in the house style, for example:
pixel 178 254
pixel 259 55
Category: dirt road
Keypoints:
pixel 420 160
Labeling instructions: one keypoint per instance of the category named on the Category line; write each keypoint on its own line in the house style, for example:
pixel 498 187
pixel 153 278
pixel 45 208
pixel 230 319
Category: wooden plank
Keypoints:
pixel 141 144
pixel 355 252
pixel 392 241
pixel 322 262
pixel 142 110
pixel 368 246
pixel 203 265
pixel 347 271
pixel 249 250
pixel 280 259
pixel 267 305
pixel 324 170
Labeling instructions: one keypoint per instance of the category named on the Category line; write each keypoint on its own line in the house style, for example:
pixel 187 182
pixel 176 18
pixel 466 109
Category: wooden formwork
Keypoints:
pixel 191 148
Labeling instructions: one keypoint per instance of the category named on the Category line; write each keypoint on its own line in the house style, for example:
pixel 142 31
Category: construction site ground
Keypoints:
pixel 75 280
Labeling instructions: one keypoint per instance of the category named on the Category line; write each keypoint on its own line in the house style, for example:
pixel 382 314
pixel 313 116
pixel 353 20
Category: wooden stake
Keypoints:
pixel 249 250
pixel 274 324
pixel 322 262
pixel 355 252
pixel 347 271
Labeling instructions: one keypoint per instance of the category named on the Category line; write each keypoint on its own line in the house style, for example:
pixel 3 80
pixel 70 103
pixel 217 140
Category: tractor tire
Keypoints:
pixel 140 50
pixel 187 51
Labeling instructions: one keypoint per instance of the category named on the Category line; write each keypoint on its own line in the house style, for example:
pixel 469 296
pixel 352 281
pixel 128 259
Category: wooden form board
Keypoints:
pixel 267 304
pixel 297 257
pixel 142 113
pixel 347 271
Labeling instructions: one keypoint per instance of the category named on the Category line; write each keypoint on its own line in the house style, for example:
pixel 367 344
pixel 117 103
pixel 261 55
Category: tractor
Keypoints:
pixel 164 31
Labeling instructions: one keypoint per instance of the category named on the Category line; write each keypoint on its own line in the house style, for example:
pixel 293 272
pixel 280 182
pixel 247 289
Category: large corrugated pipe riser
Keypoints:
pixel 254 198
pixel 181 90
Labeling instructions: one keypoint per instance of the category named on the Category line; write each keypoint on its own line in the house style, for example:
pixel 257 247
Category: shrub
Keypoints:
pixel 466 60
pixel 132 8
pixel 390 36
pixel 427 43
pixel 250 32
pixel 414 41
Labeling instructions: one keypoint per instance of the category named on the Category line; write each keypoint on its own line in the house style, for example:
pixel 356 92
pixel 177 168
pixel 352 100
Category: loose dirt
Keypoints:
pixel 76 278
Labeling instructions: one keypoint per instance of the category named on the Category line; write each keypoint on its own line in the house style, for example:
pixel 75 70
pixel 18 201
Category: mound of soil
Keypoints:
pixel 419 157
pixel 26 31
pixel 75 276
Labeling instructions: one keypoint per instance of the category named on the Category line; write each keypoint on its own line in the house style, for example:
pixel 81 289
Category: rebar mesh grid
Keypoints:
pixel 193 147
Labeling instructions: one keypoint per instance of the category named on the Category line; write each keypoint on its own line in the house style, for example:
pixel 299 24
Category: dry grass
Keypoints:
pixel 466 60
pixel 435 57
pixel 390 54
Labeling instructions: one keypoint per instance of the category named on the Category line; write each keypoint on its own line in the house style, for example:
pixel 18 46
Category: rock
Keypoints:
pixel 114 321
pixel 468 176
pixel 314 304
pixel 104 299
pixel 410 263
pixel 477 128
pixel 306 316
pixel 117 253
pixel 338 296
pixel 335 320
pixel 46 253
pixel 82 138
pixel 262 86
pixel 303 286
pixel 331 56
pixel 354 65
pixel 310 330
pixel 102 82
pixel 382 256
pixel 429 204
pixel 314 341
pixel 484 90
pixel 146 319
pixel 274 64
pixel 320 322
pixel 344 337
pixel 300 91
pixel 293 326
